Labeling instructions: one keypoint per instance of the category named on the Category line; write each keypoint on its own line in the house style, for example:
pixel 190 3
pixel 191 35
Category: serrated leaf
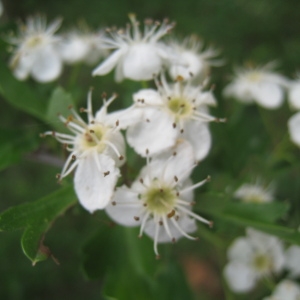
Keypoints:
pixel 20 95
pixel 35 218
pixel 14 143
pixel 59 102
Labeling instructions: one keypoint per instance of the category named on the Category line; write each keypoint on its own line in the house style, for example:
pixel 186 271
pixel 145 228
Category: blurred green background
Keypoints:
pixel 257 30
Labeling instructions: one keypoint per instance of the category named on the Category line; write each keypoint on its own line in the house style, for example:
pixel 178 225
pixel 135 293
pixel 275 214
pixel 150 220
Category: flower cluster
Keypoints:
pixel 167 125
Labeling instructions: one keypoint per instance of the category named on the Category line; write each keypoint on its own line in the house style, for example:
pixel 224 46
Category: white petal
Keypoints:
pixel 148 96
pixel 239 277
pixel 294 96
pixel 93 188
pixel 292 260
pixel 47 65
pixel 187 224
pixel 240 250
pixel 179 165
pixel 22 64
pixel 141 62
pixel 116 138
pixel 197 133
pixel 286 290
pixel 124 212
pixel 268 95
pixel 155 133
pixel 107 65
pixel 294 128
pixel 239 89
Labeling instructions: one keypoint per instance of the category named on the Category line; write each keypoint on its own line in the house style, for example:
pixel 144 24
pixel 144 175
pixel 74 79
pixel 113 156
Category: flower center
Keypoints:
pixel 262 262
pixel 160 200
pixel 34 41
pixel 254 76
pixel 93 137
pixel 180 107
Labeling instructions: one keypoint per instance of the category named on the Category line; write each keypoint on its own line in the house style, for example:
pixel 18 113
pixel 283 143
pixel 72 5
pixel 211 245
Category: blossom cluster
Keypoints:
pixel 166 124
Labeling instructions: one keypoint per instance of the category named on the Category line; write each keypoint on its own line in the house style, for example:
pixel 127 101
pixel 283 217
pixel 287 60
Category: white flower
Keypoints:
pixel 292 260
pixel 36 50
pixel 285 290
pixel 255 193
pixel 82 46
pixel 259 84
pixel 138 56
pixel 294 94
pixel 174 111
pixel 252 257
pixel 294 128
pixel 97 150
pixel 192 61
pixel 160 200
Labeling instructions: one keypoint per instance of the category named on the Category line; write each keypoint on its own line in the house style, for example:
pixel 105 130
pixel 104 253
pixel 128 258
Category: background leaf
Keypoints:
pixel 35 218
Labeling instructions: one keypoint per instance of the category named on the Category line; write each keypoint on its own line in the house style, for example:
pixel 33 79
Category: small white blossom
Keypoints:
pixel 255 193
pixel 82 45
pixel 260 84
pixel 294 94
pixel 292 260
pixel 294 128
pixel 253 257
pixel 174 111
pixel 138 56
pixel 160 200
pixel 285 290
pixel 97 150
pixel 192 61
pixel 35 50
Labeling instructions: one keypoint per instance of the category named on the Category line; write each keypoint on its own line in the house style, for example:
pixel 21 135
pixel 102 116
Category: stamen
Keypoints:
pixel 174 221
pixel 192 187
pixel 195 216
pixel 144 220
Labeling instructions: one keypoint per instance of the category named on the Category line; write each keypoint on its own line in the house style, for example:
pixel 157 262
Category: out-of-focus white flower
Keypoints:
pixel 82 45
pixel 292 260
pixel 35 50
pixel 160 200
pixel 252 257
pixel 138 56
pixel 192 61
pixel 294 128
pixel 174 111
pixel 255 193
pixel 260 84
pixel 97 150
pixel 285 290
pixel 294 94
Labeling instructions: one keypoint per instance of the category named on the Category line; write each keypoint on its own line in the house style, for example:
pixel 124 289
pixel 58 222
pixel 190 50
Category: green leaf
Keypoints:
pixel 14 143
pixel 128 267
pixel 36 218
pixel 257 215
pixel 20 95
pixel 59 103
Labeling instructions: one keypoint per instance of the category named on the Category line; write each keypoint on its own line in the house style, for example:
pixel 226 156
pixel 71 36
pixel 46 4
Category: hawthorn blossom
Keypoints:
pixel 294 128
pixel 255 193
pixel 160 200
pixel 294 94
pixel 172 112
pixel 81 45
pixel 138 56
pixel 96 151
pixel 253 257
pixel 292 260
pixel 285 290
pixel 192 61
pixel 260 85
pixel 36 51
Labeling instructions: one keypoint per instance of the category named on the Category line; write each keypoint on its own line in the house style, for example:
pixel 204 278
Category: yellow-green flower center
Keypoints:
pixel 34 41
pixel 180 107
pixel 93 137
pixel 262 262
pixel 160 200
pixel 254 76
